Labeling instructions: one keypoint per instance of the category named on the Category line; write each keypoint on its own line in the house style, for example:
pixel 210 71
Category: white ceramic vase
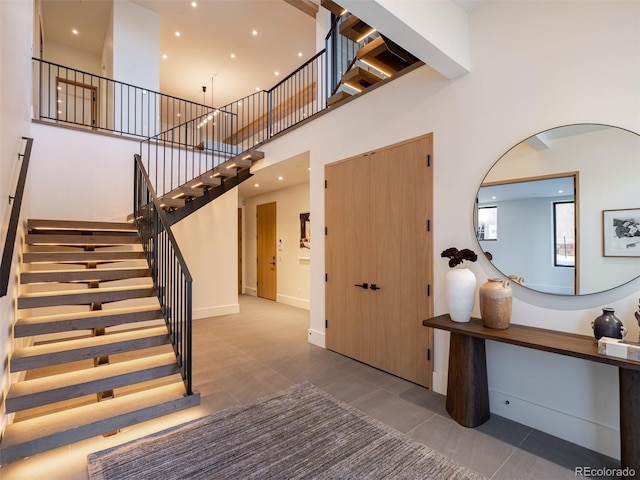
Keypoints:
pixel 460 291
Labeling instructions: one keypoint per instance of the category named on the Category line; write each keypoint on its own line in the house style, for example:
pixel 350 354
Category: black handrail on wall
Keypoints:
pixel 12 230
pixel 171 277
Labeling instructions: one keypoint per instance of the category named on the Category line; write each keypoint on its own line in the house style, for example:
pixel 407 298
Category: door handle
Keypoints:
pixel 363 285
pixel 375 287
pixel 272 263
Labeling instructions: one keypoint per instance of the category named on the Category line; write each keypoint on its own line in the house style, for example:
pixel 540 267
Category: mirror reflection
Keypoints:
pixel 542 211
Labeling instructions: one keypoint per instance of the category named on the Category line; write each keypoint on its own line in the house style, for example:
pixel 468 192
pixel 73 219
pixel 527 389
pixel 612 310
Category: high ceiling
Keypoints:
pixel 210 33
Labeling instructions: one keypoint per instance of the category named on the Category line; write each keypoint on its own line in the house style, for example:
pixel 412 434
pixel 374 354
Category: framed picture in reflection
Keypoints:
pixel 621 232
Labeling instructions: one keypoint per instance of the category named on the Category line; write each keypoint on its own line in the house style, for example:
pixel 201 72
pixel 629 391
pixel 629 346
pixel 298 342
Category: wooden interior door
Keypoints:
pixel 266 258
pixel 377 212
pixel 77 102
pixel 347 245
pixel 401 254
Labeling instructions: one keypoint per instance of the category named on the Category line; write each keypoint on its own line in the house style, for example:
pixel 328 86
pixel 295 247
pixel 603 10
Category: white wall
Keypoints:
pixel 16 20
pixel 72 58
pixel 136 61
pixel 532 69
pixel 293 273
pixel 136 45
pixel 77 175
pixel 208 240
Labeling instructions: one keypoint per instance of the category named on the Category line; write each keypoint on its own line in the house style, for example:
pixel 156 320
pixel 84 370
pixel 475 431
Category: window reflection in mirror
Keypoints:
pixel 564 226
pixel 488 223
pixel 534 241
pixel 527 246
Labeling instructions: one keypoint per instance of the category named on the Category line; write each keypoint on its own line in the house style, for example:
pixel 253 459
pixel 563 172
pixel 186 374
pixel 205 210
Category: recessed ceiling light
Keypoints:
pixel 257 89
pixel 74 31
pixel 233 55
pixel 177 34
pixel 194 4
pixel 256 185
pixel 277 73
pixel 280 178
pixel 299 54
pixel 254 33
pixel 165 56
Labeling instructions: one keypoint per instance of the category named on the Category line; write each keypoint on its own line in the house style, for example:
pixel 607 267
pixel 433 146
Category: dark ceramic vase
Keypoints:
pixel 608 325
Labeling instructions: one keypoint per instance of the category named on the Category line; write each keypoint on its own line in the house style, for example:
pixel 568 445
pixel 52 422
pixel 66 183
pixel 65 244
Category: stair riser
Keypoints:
pixel 82 275
pixel 14 404
pixel 92 295
pixel 38 361
pixel 92 429
pixel 29 330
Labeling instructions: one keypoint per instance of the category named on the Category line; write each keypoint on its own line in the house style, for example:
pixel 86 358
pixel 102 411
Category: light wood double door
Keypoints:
pixel 378 258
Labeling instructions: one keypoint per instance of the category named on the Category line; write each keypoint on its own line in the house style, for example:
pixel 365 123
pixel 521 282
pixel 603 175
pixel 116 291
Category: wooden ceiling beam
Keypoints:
pixel 305 6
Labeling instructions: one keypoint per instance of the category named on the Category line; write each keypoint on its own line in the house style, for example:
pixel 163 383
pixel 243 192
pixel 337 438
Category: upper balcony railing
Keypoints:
pixel 197 146
pixel 73 97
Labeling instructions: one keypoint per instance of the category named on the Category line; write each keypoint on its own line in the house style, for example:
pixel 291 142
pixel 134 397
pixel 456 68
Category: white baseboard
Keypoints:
pixel 316 338
pixel 216 311
pixel 439 384
pixel 294 301
pixel 250 291
pixel 598 437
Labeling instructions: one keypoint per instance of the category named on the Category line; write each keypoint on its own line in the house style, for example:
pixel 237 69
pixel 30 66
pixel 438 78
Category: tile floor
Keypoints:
pixel 263 349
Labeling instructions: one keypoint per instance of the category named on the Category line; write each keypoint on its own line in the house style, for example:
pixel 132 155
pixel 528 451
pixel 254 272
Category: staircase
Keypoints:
pixel 377 58
pixel 205 187
pixel 97 356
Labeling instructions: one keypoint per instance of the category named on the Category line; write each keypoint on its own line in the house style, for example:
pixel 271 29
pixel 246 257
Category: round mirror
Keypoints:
pixel 560 212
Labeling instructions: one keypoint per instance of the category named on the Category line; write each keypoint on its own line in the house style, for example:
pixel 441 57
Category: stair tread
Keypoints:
pixel 86 342
pixel 89 314
pixel 71 239
pixel 79 257
pixel 385 56
pixel 355 29
pixel 168 201
pixel 62 380
pixel 204 180
pixel 359 78
pixel 89 291
pixel 65 275
pixel 92 417
pixel 40 224
pixel 88 320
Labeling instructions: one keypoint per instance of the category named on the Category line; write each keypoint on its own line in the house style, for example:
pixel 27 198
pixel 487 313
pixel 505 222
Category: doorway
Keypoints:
pixel 266 246
pixel 77 103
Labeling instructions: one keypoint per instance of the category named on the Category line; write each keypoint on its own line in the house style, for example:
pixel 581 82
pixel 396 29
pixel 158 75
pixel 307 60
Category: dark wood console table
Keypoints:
pixel 467 388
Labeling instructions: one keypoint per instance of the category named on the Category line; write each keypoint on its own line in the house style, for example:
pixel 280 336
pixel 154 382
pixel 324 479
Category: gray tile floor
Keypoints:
pixel 263 349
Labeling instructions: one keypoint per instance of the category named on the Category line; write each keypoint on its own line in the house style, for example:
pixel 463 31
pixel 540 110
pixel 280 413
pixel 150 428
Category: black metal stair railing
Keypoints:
pixel 14 218
pixel 182 153
pixel 68 96
pixel 171 277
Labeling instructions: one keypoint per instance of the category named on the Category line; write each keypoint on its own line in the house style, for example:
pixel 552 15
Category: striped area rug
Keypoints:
pixel 299 433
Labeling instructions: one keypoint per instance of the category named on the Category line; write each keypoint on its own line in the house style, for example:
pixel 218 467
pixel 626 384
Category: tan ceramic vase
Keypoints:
pixel 495 303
